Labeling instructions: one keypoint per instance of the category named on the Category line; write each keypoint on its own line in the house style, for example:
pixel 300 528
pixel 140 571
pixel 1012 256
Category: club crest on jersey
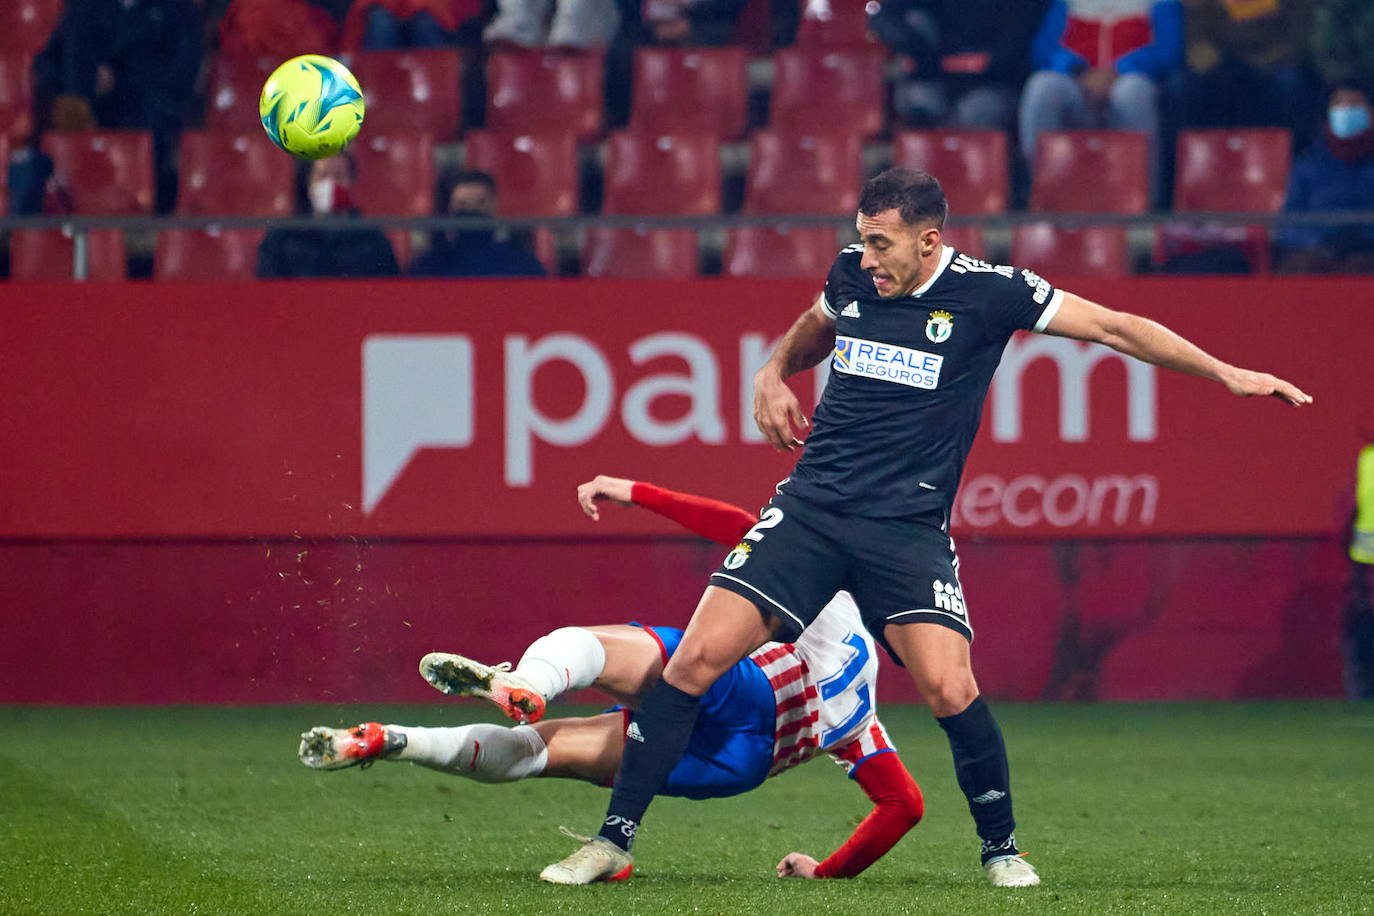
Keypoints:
pixel 735 559
pixel 939 326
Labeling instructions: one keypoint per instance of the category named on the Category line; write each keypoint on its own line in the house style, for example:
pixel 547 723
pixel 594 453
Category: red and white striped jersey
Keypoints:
pixel 825 685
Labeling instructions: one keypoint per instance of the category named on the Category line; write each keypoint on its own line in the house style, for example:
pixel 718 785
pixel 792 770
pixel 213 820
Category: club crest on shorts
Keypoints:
pixel 939 326
pixel 735 559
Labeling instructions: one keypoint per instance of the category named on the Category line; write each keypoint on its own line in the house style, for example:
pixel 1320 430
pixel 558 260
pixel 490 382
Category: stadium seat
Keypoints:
pixel 836 24
pixel 26 24
pixel 1230 170
pixel 840 91
pixel 47 255
pixel 395 175
pixel 1094 251
pixel 1237 171
pixel 644 254
pixel 231 102
pixel 16 97
pixel 1090 171
pixel 971 165
pixel 541 91
pixel 677 174
pixel 967 239
pixel 760 251
pixel 106 173
pixel 800 173
pixel 213 255
pixel 410 92
pixel 696 90
pixel 238 174
pixel 536 174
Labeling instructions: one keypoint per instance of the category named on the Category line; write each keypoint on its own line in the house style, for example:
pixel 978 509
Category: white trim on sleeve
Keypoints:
pixel 1048 314
pixel 827 307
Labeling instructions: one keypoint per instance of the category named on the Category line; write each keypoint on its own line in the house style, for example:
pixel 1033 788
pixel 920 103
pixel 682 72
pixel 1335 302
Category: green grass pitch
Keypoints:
pixel 1198 809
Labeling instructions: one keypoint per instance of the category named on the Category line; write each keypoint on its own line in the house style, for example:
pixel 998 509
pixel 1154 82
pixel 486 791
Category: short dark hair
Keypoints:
pixel 452 179
pixel 915 194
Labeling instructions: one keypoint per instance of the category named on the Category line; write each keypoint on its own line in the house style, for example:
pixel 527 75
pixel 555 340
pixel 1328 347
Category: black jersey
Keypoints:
pixel 907 383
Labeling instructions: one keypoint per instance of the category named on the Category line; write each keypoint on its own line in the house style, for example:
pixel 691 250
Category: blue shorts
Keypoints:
pixel 731 748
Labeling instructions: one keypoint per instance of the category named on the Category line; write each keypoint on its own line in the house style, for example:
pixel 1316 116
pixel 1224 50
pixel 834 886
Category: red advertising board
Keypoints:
pixel 473 409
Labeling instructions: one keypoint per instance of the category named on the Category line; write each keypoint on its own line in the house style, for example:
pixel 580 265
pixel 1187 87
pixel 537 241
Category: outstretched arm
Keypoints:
pixel 710 518
pixel 1154 343
pixel 898 806
pixel 776 409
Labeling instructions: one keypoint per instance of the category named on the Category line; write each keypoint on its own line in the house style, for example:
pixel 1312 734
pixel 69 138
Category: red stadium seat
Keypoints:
pixel 214 255
pixel 967 239
pixel 242 174
pixel 47 255
pixel 760 251
pixel 26 24
pixel 643 254
pixel 1095 251
pixel 107 173
pixel 1090 171
pixel 16 97
pixel 662 174
pixel 395 175
pixel 536 174
pixel 1238 171
pixel 971 165
pixel 542 91
pixel 837 90
pixel 231 102
pixel 692 90
pixel 800 173
pixel 410 92
pixel 838 23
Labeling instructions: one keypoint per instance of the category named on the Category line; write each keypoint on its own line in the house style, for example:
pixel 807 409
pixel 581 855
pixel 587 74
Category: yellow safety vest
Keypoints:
pixel 1362 541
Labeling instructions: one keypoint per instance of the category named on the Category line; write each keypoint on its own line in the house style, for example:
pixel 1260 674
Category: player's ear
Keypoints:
pixel 929 241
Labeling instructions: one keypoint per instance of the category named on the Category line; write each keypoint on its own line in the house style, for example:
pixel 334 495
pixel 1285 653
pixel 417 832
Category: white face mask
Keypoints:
pixel 322 195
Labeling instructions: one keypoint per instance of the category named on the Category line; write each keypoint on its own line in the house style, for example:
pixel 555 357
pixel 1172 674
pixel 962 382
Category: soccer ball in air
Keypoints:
pixel 311 106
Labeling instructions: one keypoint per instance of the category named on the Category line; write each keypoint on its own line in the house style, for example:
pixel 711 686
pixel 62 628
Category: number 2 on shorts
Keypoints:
pixel 770 518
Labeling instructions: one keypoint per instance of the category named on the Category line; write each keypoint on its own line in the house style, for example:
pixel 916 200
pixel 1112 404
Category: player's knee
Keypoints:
pixel 693 669
pixel 913 805
pixel 949 696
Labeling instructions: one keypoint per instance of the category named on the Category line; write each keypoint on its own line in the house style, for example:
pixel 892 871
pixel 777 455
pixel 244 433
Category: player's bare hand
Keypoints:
pixel 1249 384
pixel 777 411
pixel 797 865
pixel 604 489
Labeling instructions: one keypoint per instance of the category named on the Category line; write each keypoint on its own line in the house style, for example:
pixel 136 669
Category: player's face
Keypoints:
pixel 898 256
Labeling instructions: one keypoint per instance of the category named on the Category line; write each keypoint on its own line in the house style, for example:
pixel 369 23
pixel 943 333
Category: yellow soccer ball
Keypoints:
pixel 311 106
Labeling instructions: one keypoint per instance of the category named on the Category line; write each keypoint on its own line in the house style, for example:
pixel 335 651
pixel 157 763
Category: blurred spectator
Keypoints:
pixel 277 29
pixel 123 64
pixel 1336 173
pixel 957 72
pixel 1099 63
pixel 474 252
pixel 693 22
pixel 29 179
pixel 327 252
pixel 1343 40
pixel 574 23
pixel 1246 66
pixel 388 25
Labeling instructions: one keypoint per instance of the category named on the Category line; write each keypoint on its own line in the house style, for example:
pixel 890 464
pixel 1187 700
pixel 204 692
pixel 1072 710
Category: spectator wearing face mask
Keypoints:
pixel 1336 173
pixel 475 252
pixel 338 250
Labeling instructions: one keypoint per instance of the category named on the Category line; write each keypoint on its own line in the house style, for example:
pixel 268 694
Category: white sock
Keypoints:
pixel 569 658
pixel 486 753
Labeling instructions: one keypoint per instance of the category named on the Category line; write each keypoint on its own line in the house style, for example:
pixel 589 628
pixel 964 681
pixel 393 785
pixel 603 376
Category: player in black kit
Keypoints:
pixel 917 331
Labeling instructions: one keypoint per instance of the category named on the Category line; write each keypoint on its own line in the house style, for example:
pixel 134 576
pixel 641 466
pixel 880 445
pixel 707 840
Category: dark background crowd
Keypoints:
pixel 1161 71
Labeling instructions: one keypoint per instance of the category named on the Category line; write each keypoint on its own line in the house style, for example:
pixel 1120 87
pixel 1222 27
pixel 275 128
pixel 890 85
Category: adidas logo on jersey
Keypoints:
pixel 850 311
pixel 633 733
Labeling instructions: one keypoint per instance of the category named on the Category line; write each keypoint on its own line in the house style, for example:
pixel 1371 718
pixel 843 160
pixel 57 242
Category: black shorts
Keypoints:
pixel 799 555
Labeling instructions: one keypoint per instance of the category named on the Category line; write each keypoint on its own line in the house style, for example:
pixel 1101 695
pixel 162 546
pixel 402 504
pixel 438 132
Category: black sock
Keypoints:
pixel 980 763
pixel 653 746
